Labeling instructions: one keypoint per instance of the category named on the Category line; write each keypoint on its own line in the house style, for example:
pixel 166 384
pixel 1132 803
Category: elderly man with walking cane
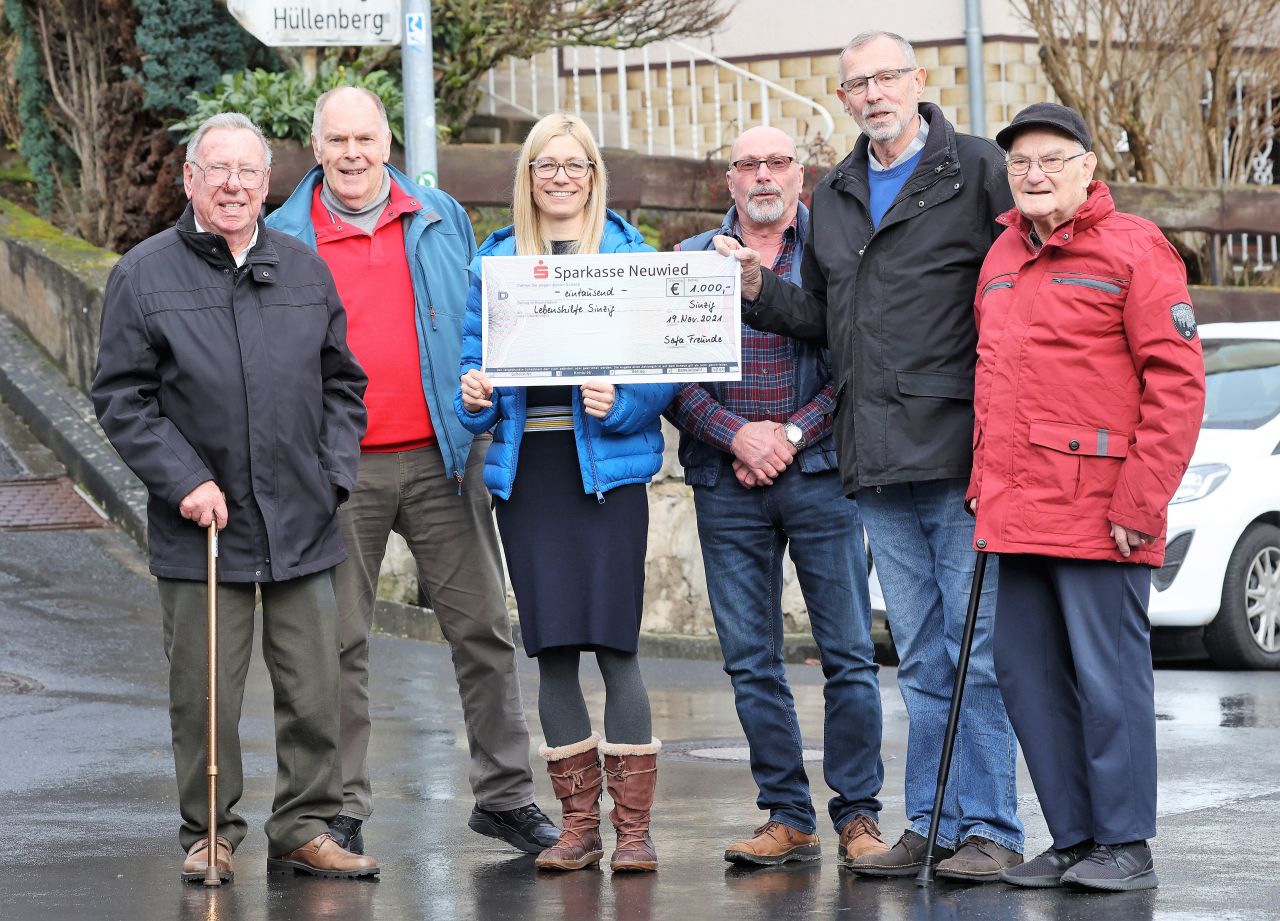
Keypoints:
pixel 225 382
pixel 1090 391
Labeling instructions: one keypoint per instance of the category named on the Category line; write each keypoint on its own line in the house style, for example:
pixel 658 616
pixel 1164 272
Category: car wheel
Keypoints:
pixel 1246 632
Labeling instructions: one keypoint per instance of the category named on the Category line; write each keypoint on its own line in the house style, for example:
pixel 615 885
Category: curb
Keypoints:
pixel 408 621
pixel 63 418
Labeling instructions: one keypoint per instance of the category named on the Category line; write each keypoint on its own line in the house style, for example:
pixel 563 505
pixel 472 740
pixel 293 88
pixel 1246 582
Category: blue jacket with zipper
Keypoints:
pixel 623 447
pixel 439 244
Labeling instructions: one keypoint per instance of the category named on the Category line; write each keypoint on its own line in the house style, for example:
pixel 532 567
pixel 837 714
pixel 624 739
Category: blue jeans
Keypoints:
pixel 744 533
pixel 922 541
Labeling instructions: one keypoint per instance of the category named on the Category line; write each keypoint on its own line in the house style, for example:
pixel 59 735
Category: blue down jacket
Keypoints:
pixel 624 447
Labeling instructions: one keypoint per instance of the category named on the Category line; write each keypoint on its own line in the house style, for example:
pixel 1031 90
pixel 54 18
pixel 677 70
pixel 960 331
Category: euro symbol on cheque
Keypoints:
pixel 675 287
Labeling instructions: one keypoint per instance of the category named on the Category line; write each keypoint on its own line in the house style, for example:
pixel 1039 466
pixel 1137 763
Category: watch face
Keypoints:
pixel 793 433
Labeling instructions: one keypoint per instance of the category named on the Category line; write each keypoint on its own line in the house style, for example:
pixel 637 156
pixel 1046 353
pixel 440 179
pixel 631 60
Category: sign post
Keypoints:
pixel 319 22
pixel 419 94
pixel 363 22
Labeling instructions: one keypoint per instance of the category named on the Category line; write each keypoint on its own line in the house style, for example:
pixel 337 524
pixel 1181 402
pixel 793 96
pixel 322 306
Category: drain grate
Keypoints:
pixel 18 684
pixel 44 504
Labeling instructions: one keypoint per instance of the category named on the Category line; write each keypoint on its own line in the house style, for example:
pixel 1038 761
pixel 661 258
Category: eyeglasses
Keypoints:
pixel 573 169
pixel 886 80
pixel 751 164
pixel 1020 166
pixel 221 175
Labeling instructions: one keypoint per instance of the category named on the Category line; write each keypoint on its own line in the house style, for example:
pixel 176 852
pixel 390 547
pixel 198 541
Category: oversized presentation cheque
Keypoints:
pixel 636 318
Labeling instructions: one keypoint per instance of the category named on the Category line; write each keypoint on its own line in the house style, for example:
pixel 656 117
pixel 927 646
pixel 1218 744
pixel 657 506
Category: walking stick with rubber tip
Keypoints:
pixel 211 875
pixel 926 875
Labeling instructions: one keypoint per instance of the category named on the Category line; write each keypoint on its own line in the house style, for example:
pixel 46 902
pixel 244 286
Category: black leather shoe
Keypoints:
pixel 348 832
pixel 526 828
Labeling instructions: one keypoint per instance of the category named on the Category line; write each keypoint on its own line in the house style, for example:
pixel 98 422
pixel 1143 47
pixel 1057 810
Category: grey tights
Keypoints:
pixel 563 710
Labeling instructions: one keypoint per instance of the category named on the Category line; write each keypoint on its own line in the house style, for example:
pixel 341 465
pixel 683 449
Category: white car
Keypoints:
pixel 1222 562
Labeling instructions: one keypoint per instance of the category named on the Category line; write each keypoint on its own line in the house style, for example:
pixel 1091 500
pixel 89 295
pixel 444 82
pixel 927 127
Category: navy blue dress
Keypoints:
pixel 576 564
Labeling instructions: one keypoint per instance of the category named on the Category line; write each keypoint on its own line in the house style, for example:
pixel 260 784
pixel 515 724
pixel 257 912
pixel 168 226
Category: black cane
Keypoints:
pixel 926 874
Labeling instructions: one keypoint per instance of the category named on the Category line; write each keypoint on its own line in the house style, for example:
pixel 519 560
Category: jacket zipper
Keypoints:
pixel 426 350
pixel 591 457
pixel 1095 283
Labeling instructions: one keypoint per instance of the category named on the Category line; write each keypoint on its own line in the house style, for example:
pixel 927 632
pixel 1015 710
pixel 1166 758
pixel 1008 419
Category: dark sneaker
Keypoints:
pixel 903 859
pixel 979 860
pixel 1045 871
pixel 1114 868
pixel 348 832
pixel 526 828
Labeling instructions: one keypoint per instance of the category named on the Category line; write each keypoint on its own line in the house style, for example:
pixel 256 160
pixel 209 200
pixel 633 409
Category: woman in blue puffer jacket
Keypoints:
pixel 568 467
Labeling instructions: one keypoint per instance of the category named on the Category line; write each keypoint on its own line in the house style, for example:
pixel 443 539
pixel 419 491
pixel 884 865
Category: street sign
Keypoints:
pixel 320 22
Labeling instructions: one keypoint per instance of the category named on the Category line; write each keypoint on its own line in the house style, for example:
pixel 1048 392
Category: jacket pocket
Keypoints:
pixel 1071 438
pixel 999 282
pixel 1088 281
pixel 1067 474
pixel 935 384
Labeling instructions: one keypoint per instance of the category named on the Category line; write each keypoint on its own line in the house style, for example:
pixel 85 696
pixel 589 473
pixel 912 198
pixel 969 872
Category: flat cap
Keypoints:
pixel 1046 115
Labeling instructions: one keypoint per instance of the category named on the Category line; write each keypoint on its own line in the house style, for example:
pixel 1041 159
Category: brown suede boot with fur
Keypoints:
pixel 577 781
pixel 632 772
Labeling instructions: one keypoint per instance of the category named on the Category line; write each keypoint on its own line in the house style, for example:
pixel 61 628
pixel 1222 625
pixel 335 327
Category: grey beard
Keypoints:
pixel 888 133
pixel 765 213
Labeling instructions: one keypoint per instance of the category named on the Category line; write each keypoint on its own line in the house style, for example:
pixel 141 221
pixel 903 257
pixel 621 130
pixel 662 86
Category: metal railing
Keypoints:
pixel 554 81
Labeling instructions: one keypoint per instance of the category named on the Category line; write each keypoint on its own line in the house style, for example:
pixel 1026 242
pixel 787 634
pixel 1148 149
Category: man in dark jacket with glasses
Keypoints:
pixel 225 382
pixel 900 229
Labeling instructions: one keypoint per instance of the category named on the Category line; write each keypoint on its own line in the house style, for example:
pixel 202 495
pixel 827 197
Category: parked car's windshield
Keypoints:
pixel 1243 382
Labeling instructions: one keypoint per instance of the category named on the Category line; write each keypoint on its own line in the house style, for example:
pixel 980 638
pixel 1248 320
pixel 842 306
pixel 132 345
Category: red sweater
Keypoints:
pixel 372 275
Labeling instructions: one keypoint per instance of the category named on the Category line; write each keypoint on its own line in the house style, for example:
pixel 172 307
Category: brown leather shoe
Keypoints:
pixel 576 781
pixel 323 856
pixel 193 868
pixel 978 860
pixel 774 843
pixel 860 838
pixel 903 859
pixel 632 775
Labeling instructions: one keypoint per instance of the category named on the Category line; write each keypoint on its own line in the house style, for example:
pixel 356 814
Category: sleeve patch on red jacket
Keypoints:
pixel 1184 320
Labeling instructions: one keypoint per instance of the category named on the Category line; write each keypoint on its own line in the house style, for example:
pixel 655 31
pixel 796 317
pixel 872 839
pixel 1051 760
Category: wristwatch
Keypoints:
pixel 794 435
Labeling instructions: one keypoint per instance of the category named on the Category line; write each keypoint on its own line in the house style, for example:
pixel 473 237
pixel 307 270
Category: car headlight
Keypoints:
pixel 1199 481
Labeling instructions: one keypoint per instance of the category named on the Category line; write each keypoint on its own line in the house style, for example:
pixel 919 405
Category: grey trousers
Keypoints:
pixel 299 645
pixel 453 541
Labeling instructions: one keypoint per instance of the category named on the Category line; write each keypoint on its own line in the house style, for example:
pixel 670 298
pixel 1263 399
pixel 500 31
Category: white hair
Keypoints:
pixel 866 38
pixel 317 115
pixel 232 121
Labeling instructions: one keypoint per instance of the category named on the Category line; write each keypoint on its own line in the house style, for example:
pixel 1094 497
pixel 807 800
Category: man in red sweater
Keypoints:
pixel 399 254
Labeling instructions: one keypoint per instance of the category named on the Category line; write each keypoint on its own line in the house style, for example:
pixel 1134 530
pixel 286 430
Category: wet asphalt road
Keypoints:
pixel 90 817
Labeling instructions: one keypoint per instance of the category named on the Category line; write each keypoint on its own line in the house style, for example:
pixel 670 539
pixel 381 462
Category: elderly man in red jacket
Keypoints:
pixel 1090 390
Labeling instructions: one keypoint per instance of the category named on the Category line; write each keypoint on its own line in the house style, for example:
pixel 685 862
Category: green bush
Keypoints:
pixel 184 45
pixel 281 104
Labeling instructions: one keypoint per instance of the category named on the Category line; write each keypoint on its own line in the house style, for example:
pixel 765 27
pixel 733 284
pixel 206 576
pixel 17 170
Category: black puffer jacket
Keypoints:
pixel 895 305
pixel 240 376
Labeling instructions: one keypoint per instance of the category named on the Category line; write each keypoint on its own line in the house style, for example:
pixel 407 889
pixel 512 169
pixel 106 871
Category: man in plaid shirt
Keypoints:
pixel 761 459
